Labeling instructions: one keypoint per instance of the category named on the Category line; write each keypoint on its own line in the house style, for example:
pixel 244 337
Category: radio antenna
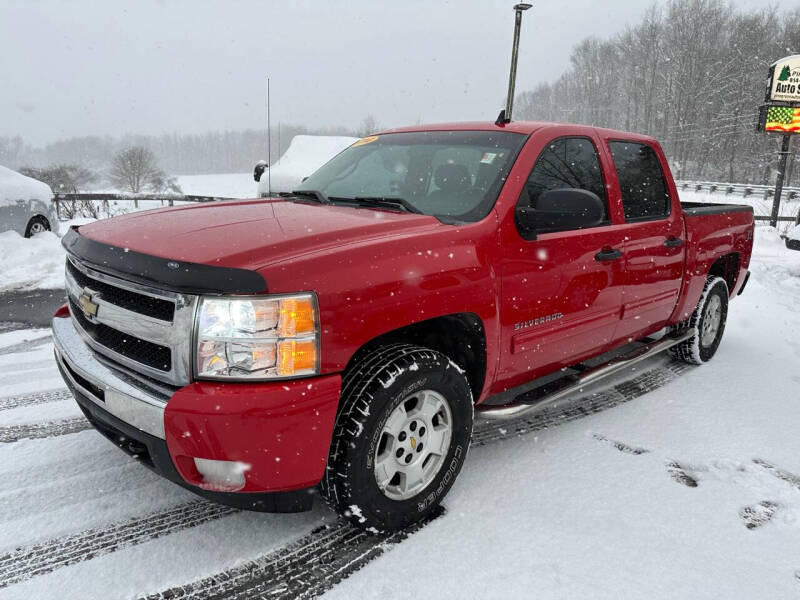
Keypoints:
pixel 505 115
pixel 269 147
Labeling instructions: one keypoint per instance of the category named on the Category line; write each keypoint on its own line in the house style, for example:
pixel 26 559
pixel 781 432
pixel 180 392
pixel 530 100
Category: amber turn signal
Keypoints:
pixel 296 357
pixel 296 317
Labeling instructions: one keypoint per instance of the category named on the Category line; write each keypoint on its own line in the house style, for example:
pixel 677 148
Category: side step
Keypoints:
pixel 552 392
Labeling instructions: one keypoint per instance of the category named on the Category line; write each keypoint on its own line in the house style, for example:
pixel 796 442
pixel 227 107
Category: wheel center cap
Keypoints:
pixel 413 443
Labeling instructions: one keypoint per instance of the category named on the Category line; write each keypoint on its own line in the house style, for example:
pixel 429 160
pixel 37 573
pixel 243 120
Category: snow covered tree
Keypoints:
pixel 691 74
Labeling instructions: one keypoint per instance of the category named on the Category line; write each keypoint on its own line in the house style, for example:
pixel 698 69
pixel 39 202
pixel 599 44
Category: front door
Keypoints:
pixel 561 289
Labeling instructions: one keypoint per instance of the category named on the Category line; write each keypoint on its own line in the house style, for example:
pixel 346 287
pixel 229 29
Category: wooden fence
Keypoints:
pixel 106 199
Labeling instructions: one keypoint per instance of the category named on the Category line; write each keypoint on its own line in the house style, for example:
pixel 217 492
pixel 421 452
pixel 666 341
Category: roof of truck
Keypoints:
pixel 523 127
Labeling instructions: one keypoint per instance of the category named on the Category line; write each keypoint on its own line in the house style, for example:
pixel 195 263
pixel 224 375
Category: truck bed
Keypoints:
pixel 694 209
pixel 714 232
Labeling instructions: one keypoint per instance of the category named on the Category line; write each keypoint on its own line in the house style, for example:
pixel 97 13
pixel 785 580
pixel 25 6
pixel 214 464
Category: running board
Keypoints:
pixel 581 380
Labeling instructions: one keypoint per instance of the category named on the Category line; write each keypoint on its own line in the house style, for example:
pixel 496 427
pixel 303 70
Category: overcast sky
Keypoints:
pixel 104 67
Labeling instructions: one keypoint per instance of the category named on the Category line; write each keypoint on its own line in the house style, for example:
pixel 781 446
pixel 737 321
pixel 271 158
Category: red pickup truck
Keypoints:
pixel 341 337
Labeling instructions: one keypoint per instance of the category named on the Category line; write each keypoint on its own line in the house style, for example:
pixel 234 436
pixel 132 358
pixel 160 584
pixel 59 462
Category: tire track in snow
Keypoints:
pixel 315 563
pixel 786 476
pixel 27 562
pixel 487 432
pixel 14 433
pixel 621 446
pixel 26 346
pixel 34 399
pixel 310 566
pixel 305 569
pixel 7 326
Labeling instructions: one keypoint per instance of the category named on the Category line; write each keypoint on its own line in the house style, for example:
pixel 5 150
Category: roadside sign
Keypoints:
pixel 779 119
pixel 781 114
pixel 784 81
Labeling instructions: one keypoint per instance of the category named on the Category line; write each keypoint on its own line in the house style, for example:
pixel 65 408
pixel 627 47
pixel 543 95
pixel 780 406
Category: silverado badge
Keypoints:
pixel 538 321
pixel 88 307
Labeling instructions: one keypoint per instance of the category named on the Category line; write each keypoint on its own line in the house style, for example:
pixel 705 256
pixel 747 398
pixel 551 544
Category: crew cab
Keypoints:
pixel 341 337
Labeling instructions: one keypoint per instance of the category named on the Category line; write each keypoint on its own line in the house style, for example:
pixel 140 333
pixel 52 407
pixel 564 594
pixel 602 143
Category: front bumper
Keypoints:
pixel 281 430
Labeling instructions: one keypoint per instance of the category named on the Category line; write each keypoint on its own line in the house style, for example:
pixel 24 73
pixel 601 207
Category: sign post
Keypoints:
pixel 781 114
pixel 776 202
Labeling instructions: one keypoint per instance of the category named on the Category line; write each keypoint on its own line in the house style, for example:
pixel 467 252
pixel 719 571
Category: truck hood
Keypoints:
pixel 250 234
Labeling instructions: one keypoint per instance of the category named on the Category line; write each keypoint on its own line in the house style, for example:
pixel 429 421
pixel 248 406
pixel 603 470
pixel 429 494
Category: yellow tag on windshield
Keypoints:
pixel 365 141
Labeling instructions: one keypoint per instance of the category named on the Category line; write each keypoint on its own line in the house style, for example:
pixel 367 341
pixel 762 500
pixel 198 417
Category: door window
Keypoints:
pixel 641 180
pixel 569 162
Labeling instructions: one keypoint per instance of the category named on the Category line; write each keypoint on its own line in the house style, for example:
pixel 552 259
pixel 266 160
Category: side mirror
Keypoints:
pixel 304 179
pixel 259 169
pixel 561 210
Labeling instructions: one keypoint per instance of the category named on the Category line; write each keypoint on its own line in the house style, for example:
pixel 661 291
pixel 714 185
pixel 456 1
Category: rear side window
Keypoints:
pixel 641 180
pixel 569 162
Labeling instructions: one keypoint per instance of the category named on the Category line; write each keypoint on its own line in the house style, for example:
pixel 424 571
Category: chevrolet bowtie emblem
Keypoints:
pixel 88 307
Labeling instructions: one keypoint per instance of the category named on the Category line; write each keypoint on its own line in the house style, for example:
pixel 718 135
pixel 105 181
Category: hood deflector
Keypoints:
pixel 162 273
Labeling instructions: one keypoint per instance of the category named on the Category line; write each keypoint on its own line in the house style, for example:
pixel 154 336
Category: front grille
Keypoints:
pixel 138 303
pixel 149 354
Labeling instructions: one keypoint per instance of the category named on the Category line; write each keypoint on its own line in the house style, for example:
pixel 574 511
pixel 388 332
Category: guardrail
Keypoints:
pixel 764 192
pixel 168 199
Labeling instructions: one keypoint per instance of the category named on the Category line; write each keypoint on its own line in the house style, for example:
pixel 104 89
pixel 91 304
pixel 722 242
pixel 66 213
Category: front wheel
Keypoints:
pixel 401 437
pixel 707 324
pixel 37 225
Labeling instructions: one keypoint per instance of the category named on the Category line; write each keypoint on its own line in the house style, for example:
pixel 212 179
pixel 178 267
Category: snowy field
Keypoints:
pixel 667 482
pixel 225 185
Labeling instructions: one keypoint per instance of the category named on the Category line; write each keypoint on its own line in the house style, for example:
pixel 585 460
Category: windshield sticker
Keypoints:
pixel 488 157
pixel 365 141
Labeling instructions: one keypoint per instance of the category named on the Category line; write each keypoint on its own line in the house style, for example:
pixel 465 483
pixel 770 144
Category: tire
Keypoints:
pixel 407 384
pixel 37 225
pixel 707 324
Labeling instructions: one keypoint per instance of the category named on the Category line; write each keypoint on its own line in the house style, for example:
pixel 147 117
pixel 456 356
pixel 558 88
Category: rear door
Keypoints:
pixel 561 289
pixel 654 244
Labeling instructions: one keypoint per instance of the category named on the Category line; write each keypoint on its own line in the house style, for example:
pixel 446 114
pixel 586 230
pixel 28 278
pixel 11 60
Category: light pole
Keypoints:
pixel 505 116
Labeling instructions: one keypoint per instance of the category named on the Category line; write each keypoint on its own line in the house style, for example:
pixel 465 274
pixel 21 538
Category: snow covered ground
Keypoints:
pixel 225 185
pixel 668 482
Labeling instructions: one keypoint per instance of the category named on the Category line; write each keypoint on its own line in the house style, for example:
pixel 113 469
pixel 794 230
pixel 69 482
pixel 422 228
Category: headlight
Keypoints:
pixel 257 338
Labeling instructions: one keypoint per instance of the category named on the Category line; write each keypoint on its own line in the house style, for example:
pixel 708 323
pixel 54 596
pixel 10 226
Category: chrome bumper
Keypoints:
pixel 122 399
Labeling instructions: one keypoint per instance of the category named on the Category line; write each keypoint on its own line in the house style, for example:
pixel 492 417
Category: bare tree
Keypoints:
pixel 368 126
pixel 164 184
pixel 67 179
pixel 134 169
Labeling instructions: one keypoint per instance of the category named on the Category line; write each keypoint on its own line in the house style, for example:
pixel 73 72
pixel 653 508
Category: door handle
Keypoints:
pixel 608 254
pixel 673 242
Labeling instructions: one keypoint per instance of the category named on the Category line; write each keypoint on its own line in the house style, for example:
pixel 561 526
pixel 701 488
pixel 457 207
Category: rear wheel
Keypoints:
pixel 37 225
pixel 707 324
pixel 401 437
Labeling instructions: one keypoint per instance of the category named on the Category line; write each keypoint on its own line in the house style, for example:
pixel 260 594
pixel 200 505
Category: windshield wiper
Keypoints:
pixel 386 202
pixel 314 194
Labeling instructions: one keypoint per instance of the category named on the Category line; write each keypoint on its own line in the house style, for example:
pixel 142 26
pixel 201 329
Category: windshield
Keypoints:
pixel 453 175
